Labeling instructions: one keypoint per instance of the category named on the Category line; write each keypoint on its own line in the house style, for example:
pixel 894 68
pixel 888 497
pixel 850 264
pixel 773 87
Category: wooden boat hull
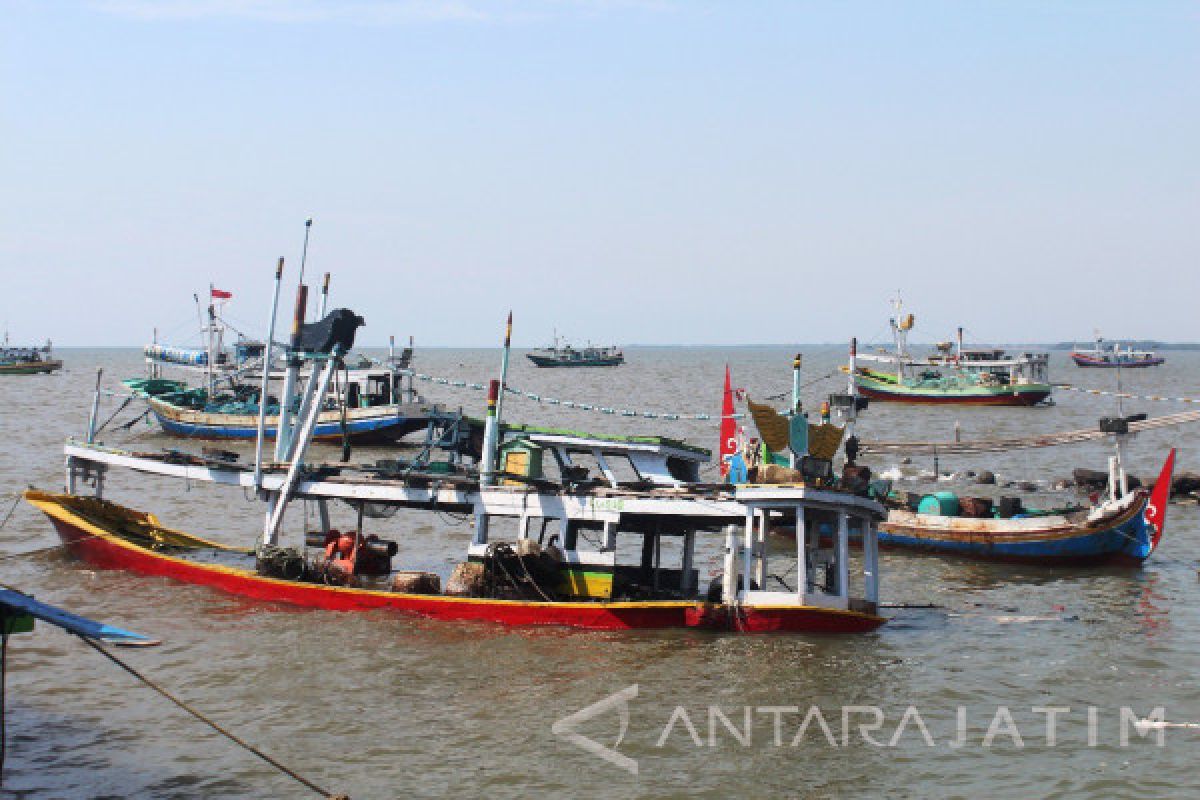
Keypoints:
pixel 30 368
pixel 1082 360
pixel 546 361
pixel 80 523
pixel 892 392
pixel 363 425
pixel 1122 539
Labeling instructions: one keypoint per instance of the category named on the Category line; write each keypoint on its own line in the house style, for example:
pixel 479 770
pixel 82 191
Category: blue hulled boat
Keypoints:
pixel 1123 529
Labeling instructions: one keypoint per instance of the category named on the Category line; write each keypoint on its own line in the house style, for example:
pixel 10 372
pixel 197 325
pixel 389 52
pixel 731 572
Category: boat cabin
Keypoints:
pixel 615 460
pixel 780 546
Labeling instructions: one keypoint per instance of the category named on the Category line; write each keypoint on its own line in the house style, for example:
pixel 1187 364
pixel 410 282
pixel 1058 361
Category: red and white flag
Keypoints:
pixel 221 294
pixel 729 442
pixel 1156 508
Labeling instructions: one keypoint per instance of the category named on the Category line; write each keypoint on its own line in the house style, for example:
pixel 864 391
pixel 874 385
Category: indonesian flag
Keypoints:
pixel 1156 509
pixel 729 441
pixel 221 294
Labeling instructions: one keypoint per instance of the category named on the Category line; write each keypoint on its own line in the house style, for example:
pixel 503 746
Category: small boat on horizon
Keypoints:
pixel 562 354
pixel 27 360
pixel 1110 355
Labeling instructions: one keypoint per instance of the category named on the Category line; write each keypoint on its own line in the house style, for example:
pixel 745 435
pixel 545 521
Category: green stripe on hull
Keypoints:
pixel 889 388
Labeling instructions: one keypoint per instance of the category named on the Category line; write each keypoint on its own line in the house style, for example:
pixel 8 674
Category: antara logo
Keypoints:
pixel 618 702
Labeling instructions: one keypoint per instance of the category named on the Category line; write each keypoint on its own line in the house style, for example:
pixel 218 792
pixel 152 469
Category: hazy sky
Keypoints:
pixel 659 171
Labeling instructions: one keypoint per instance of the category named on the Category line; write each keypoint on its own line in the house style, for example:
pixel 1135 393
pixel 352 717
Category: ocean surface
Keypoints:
pixel 378 705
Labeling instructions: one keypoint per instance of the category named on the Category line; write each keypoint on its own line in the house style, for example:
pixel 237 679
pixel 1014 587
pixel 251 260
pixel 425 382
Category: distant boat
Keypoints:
pixel 980 376
pixel 1105 355
pixel 561 354
pixel 27 360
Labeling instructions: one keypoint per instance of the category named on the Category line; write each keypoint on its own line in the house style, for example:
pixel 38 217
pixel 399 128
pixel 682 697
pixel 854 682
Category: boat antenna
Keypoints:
pixel 304 252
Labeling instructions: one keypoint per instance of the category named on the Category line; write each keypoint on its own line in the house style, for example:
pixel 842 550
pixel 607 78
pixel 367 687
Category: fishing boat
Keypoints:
pixel 577 507
pixel 950 375
pixel 371 402
pixel 562 354
pixel 27 360
pixel 1119 526
pixel 368 407
pixel 1110 355
pixel 1124 529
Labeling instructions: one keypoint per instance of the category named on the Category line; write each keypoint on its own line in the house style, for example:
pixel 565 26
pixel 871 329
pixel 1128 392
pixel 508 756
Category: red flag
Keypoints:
pixel 1156 509
pixel 221 294
pixel 728 428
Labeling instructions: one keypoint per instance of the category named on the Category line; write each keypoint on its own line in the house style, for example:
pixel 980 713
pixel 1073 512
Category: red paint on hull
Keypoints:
pixel 1023 399
pixel 110 552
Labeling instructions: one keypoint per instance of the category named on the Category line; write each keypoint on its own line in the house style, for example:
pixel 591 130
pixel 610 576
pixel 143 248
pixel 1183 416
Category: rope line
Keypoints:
pixel 580 406
pixel 1025 443
pixel 11 509
pixel 1126 395
pixel 120 408
pixel 210 723
pixel 537 397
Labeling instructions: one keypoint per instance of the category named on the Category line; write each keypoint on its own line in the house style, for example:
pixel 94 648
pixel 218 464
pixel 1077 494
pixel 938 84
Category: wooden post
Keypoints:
pixel 487 467
pixel 284 429
pixel 871 560
pixel 796 405
pixel 268 346
pixel 729 582
pixel 91 431
pixel 610 536
pixel 305 430
pixel 324 296
pixel 801 554
pixel 689 547
pixel 760 544
pixel 851 366
pixel 323 514
pixel 504 367
pixel 748 552
pixel 843 555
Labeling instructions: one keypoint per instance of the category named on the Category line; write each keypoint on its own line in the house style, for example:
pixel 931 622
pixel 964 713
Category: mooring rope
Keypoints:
pixel 1126 395
pixel 113 416
pixel 291 773
pixel 537 397
pixel 11 509
pixel 1024 443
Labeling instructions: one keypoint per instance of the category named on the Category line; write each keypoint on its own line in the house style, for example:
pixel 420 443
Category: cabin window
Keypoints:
pixel 379 390
pixel 622 468
pixel 585 459
pixel 682 470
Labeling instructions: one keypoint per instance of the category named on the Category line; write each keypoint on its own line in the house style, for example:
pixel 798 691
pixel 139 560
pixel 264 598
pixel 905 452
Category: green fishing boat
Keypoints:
pixel 951 374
